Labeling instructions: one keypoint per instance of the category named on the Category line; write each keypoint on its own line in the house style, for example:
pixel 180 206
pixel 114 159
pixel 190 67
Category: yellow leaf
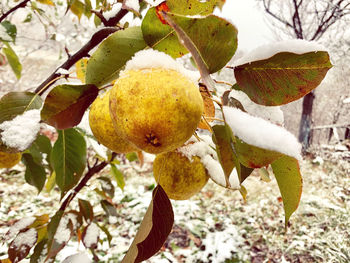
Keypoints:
pixel 51 181
pixel 42 233
pixel 77 8
pixel 81 69
pixel 46 2
pixel 209 108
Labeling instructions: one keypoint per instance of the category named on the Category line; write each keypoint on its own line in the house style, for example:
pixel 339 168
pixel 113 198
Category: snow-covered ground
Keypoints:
pixel 215 225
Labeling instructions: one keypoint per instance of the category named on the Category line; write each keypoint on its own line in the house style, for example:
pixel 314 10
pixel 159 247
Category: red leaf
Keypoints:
pixel 154 229
pixel 21 245
pixel 162 7
pixel 65 105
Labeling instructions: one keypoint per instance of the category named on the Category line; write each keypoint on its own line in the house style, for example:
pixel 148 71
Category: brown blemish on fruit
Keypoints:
pixel 152 139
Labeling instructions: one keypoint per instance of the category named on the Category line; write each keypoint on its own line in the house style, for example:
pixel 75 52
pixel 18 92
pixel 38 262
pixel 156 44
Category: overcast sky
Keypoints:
pixel 249 20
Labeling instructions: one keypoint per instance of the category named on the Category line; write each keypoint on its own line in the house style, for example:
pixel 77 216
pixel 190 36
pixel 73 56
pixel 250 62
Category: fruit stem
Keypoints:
pixel 223 82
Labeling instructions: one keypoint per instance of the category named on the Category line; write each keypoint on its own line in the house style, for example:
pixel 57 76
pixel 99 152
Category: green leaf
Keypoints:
pixel 288 176
pixel 154 229
pixel 283 78
pixel 68 158
pixel 35 174
pixel 112 54
pixel 56 245
pixel 65 105
pixel 105 230
pixel 118 175
pixel 131 156
pixel 19 248
pixel 13 60
pixel 41 145
pixel 16 103
pixel 28 18
pixel 35 7
pixel 13 104
pixel 11 30
pixel 214 38
pixel 87 8
pixel 161 36
pixel 254 157
pixel 192 7
pixel 77 8
pixel 109 208
pixel 224 141
pixel 86 210
pixel 107 185
pixel 38 252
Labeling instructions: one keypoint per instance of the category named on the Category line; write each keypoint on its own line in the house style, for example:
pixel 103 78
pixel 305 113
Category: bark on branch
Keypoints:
pixel 13 9
pixel 96 39
pixel 91 172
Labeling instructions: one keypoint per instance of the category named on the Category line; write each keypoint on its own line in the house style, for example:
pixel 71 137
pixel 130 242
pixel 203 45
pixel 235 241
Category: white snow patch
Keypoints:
pixel 347 100
pixel 74 219
pixel 112 13
pixel 112 220
pixel 26 238
pixel 91 236
pixel 205 151
pixel 149 58
pixel 318 160
pixel 219 246
pixel 154 2
pixel 270 113
pixel 132 4
pixel 261 133
pixel 20 132
pixel 77 258
pixel 18 226
pixel 63 232
pixel 106 185
pixel 62 71
pixel 297 46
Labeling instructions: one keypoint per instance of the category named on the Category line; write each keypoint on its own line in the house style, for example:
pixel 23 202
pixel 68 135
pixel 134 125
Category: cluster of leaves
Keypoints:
pixel 176 28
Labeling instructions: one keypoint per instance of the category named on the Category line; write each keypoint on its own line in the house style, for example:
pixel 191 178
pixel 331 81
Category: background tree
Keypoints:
pixel 309 20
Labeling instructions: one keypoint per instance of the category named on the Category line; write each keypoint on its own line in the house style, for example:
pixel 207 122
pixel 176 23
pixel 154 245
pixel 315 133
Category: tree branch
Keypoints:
pixel 84 51
pixel 20 5
pixel 92 171
pixel 268 10
pixel 298 29
pixel 325 24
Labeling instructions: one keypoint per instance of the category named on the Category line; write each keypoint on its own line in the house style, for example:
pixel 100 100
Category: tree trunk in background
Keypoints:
pixel 317 17
pixel 305 132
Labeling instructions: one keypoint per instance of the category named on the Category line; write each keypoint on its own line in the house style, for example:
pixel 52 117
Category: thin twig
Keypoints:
pixel 223 82
pixel 83 52
pixel 96 39
pixel 20 5
pixel 91 171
